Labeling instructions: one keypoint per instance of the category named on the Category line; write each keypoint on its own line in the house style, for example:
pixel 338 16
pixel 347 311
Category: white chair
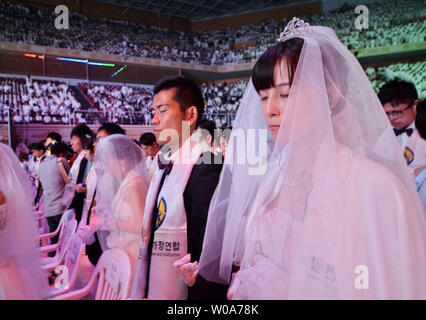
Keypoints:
pixel 112 275
pixel 38 213
pixel 40 219
pixel 45 238
pixel 71 262
pixel 39 206
pixel 60 248
pixel 43 226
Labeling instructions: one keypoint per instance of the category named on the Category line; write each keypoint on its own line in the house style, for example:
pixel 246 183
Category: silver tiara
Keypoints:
pixel 296 28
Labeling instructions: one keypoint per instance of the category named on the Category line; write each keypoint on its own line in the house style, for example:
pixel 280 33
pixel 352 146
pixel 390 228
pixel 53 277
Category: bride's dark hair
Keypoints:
pixel 263 71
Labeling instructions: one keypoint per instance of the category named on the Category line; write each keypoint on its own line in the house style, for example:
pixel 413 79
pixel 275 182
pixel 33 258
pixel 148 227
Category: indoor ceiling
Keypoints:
pixel 195 10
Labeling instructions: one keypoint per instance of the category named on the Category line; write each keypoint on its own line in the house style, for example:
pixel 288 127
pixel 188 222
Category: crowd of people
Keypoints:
pixel 317 191
pixel 174 207
pixel 412 72
pixel 120 103
pixel 222 101
pixel 37 101
pixel 387 26
pixel 52 102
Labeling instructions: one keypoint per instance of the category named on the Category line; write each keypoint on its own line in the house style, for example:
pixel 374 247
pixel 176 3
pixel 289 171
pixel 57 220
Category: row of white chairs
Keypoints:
pixel 111 276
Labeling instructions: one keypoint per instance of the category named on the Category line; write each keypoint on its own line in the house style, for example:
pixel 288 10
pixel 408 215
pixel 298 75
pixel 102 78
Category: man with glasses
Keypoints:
pixel 399 99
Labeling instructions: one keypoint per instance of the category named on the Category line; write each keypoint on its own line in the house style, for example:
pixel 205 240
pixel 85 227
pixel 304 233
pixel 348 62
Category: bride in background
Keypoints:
pixel 122 184
pixel 21 275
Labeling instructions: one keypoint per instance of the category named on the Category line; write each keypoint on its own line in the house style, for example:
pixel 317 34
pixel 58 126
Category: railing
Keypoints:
pixel 98 117
pixel 93 117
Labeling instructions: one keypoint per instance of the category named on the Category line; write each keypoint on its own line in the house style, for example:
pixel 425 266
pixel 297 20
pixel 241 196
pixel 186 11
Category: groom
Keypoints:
pixel 178 199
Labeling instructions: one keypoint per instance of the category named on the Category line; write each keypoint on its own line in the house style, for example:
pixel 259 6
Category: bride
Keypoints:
pixel 121 191
pixel 335 215
pixel 21 275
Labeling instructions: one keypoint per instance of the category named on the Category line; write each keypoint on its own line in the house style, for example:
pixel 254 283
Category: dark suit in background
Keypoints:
pixel 78 200
pixel 198 193
pixel 94 250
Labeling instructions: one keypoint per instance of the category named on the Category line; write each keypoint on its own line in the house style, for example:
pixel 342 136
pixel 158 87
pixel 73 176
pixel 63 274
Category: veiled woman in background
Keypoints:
pixel 122 184
pixel 21 275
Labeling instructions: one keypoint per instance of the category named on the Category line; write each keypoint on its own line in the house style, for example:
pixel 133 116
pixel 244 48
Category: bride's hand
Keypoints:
pixel 260 281
pixel 83 232
pixel 95 223
pixel 417 171
pixel 233 287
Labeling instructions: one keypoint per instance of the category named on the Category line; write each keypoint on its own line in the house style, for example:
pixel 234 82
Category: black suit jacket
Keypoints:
pixel 94 250
pixel 78 200
pixel 199 190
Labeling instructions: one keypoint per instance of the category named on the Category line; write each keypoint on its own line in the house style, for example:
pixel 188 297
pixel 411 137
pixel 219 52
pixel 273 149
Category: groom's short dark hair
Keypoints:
pixel 54 136
pixel 81 131
pixel 147 139
pixel 111 128
pixel 187 94
pixel 398 91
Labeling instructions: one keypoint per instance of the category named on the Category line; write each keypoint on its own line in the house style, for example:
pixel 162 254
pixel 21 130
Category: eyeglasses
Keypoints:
pixel 399 112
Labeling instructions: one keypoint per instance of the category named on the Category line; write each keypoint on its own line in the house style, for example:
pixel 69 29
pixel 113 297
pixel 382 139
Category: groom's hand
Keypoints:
pixel 187 270
pixel 79 188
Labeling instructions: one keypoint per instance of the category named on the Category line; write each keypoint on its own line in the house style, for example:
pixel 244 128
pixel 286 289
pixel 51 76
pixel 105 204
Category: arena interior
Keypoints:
pixel 342 182
pixel 102 69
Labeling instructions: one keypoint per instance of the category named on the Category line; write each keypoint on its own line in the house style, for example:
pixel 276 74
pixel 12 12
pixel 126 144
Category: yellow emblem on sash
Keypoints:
pixel 408 155
pixel 162 211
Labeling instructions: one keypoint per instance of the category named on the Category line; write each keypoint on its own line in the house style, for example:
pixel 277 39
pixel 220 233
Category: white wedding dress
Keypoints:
pixel 11 283
pixel 316 256
pixel 122 211
pixel 336 214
